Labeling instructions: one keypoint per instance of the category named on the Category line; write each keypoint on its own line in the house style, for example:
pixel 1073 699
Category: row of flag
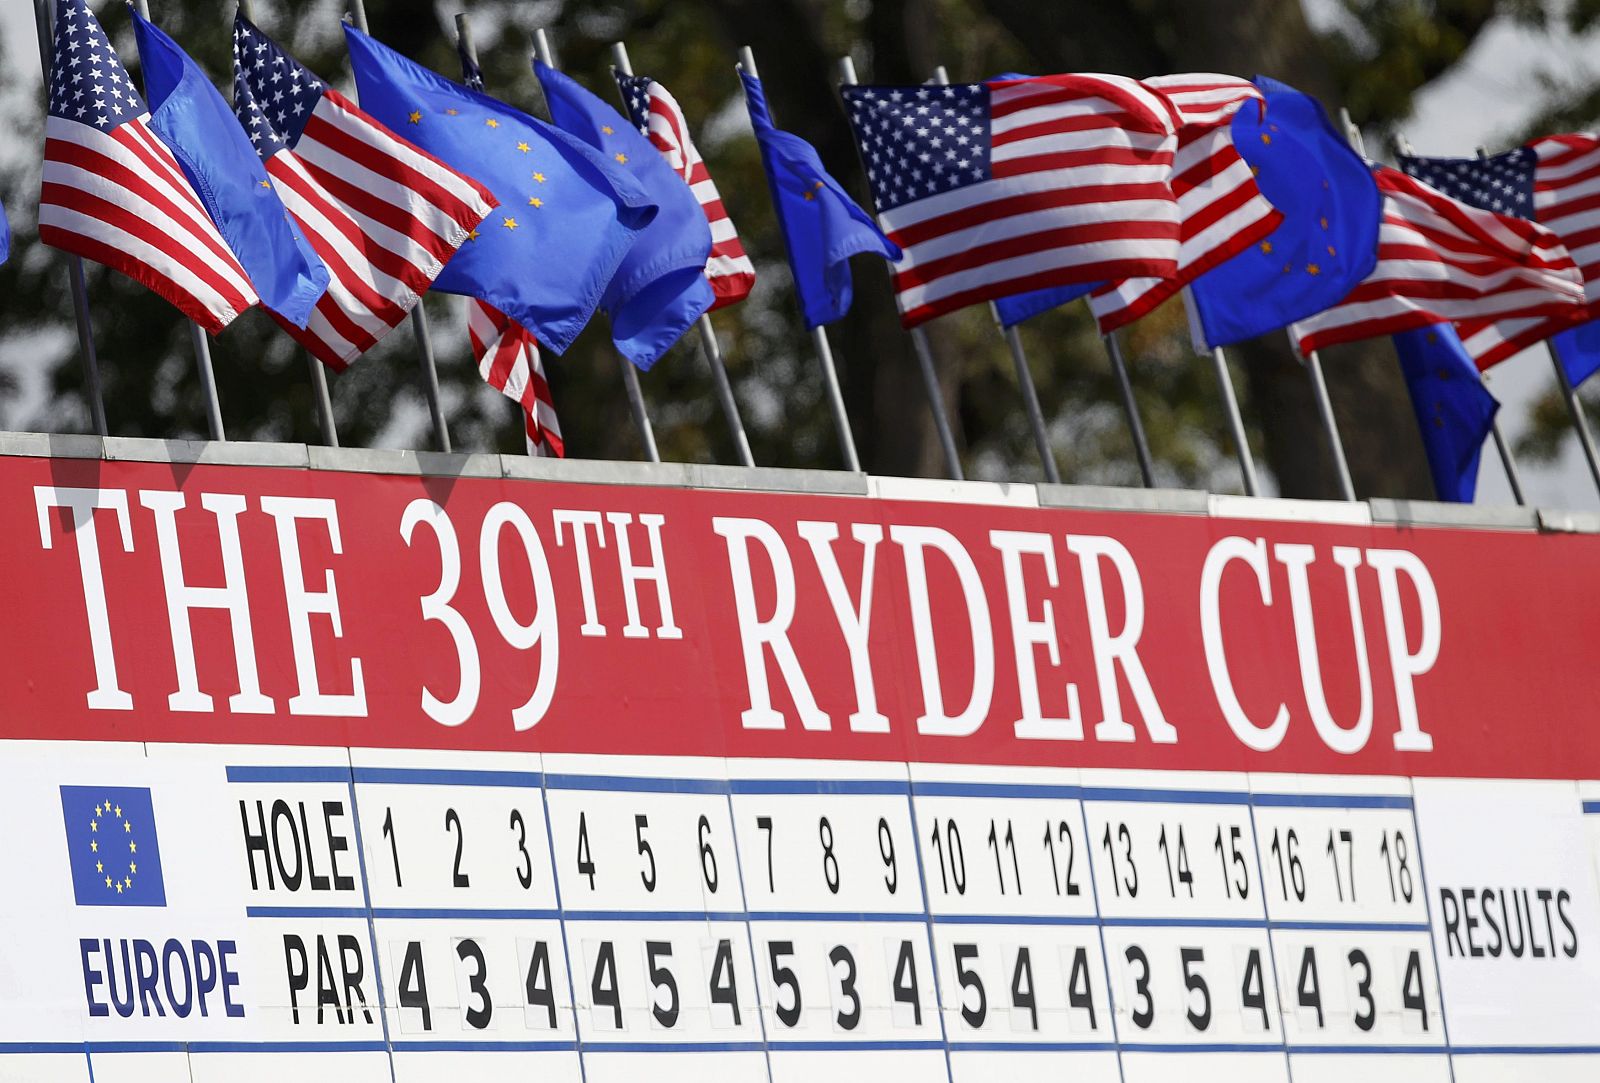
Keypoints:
pixel 1026 192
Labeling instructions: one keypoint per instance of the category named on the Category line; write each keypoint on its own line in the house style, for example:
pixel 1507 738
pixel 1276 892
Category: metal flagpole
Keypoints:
pixel 1141 446
pixel 1319 387
pixel 708 334
pixel 819 338
pixel 197 337
pixel 1569 394
pixel 419 318
pixel 1501 444
pixel 924 351
pixel 1230 401
pixel 319 375
pixel 630 375
pixel 80 293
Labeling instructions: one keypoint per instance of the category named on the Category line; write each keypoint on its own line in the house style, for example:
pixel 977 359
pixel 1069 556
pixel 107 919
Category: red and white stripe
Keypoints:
pixel 1566 201
pixel 1221 210
pixel 1442 261
pixel 1080 191
pixel 728 269
pixel 382 213
pixel 509 361
pixel 118 197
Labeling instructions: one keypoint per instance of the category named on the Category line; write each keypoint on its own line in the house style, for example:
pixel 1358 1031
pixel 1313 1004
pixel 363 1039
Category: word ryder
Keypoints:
pixel 325 608
pixel 760 560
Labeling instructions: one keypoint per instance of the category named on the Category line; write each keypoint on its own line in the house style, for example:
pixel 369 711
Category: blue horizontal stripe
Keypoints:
pixel 833 1044
pixel 1191 1047
pixel 995 789
pixel 492 1047
pixel 1355 926
pixel 1033 1047
pixel 289 774
pixel 306 912
pixel 653 915
pixel 828 915
pixel 1390 1050
pixel 1591 808
pixel 1015 919
pixel 1185 923
pixel 42 1047
pixel 432 913
pixel 288 1047
pixel 635 785
pixel 672 1047
pixel 1171 797
pixel 432 777
pixel 1525 1050
pixel 837 785
pixel 1326 800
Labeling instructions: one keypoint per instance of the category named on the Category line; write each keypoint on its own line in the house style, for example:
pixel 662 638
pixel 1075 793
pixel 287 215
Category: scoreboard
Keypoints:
pixel 369 774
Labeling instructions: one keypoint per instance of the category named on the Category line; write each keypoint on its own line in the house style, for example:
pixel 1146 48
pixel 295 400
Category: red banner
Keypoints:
pixel 253 605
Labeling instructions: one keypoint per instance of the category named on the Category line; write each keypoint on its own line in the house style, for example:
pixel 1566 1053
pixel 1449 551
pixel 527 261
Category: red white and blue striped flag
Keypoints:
pixel 1439 261
pixel 382 213
pixel 660 119
pixel 113 193
pixel 1555 180
pixel 1221 211
pixel 509 361
pixel 999 188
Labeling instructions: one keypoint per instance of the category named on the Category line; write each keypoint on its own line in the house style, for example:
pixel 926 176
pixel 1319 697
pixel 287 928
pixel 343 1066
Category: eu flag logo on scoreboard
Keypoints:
pixel 112 846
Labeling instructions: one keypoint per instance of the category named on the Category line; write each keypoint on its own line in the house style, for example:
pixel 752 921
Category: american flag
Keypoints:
pixel 383 214
pixel 1440 261
pixel 508 354
pixel 661 120
pixel 999 188
pixel 509 361
pixel 113 193
pixel 1556 182
pixel 1221 211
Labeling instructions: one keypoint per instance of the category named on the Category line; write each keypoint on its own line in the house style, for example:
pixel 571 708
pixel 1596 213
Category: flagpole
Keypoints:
pixel 1230 401
pixel 1030 396
pixel 319 376
pixel 924 350
pixel 630 376
pixel 708 334
pixel 419 318
pixel 1569 394
pixel 1501 444
pixel 80 293
pixel 1130 407
pixel 819 339
pixel 1319 388
pixel 197 337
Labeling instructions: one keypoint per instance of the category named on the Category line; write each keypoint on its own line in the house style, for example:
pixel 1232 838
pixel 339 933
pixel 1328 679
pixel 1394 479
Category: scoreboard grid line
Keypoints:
pixel 841 786
pixel 423 776
pixel 566 942
pixel 927 925
pixel 253 773
pixel 1319 800
pixel 1272 948
pixel 618 783
pixel 1105 955
pixel 1165 797
pixel 750 938
pixel 372 925
pixel 400 913
pixel 1033 1047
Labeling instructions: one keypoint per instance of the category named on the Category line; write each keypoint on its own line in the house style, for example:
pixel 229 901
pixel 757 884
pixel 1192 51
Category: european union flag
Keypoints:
pixel 1578 348
pixel 1454 410
pixel 660 288
pixel 567 216
pixel 1328 241
pixel 199 127
pixel 5 236
pixel 112 846
pixel 822 226
pixel 1025 306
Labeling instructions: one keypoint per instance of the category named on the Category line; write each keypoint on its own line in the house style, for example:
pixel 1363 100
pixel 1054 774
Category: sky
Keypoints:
pixel 1484 100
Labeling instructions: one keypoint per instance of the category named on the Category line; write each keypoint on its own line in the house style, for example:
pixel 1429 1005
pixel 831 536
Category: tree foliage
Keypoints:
pixel 1372 55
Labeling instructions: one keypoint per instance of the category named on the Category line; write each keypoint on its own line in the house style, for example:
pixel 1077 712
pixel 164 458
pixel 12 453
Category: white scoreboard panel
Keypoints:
pixel 249 913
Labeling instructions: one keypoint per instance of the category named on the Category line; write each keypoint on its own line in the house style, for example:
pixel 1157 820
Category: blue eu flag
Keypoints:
pixel 199 127
pixel 660 288
pixel 1025 306
pixel 1328 240
pixel 822 226
pixel 1579 351
pixel 5 236
pixel 566 218
pixel 1454 409
pixel 112 846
